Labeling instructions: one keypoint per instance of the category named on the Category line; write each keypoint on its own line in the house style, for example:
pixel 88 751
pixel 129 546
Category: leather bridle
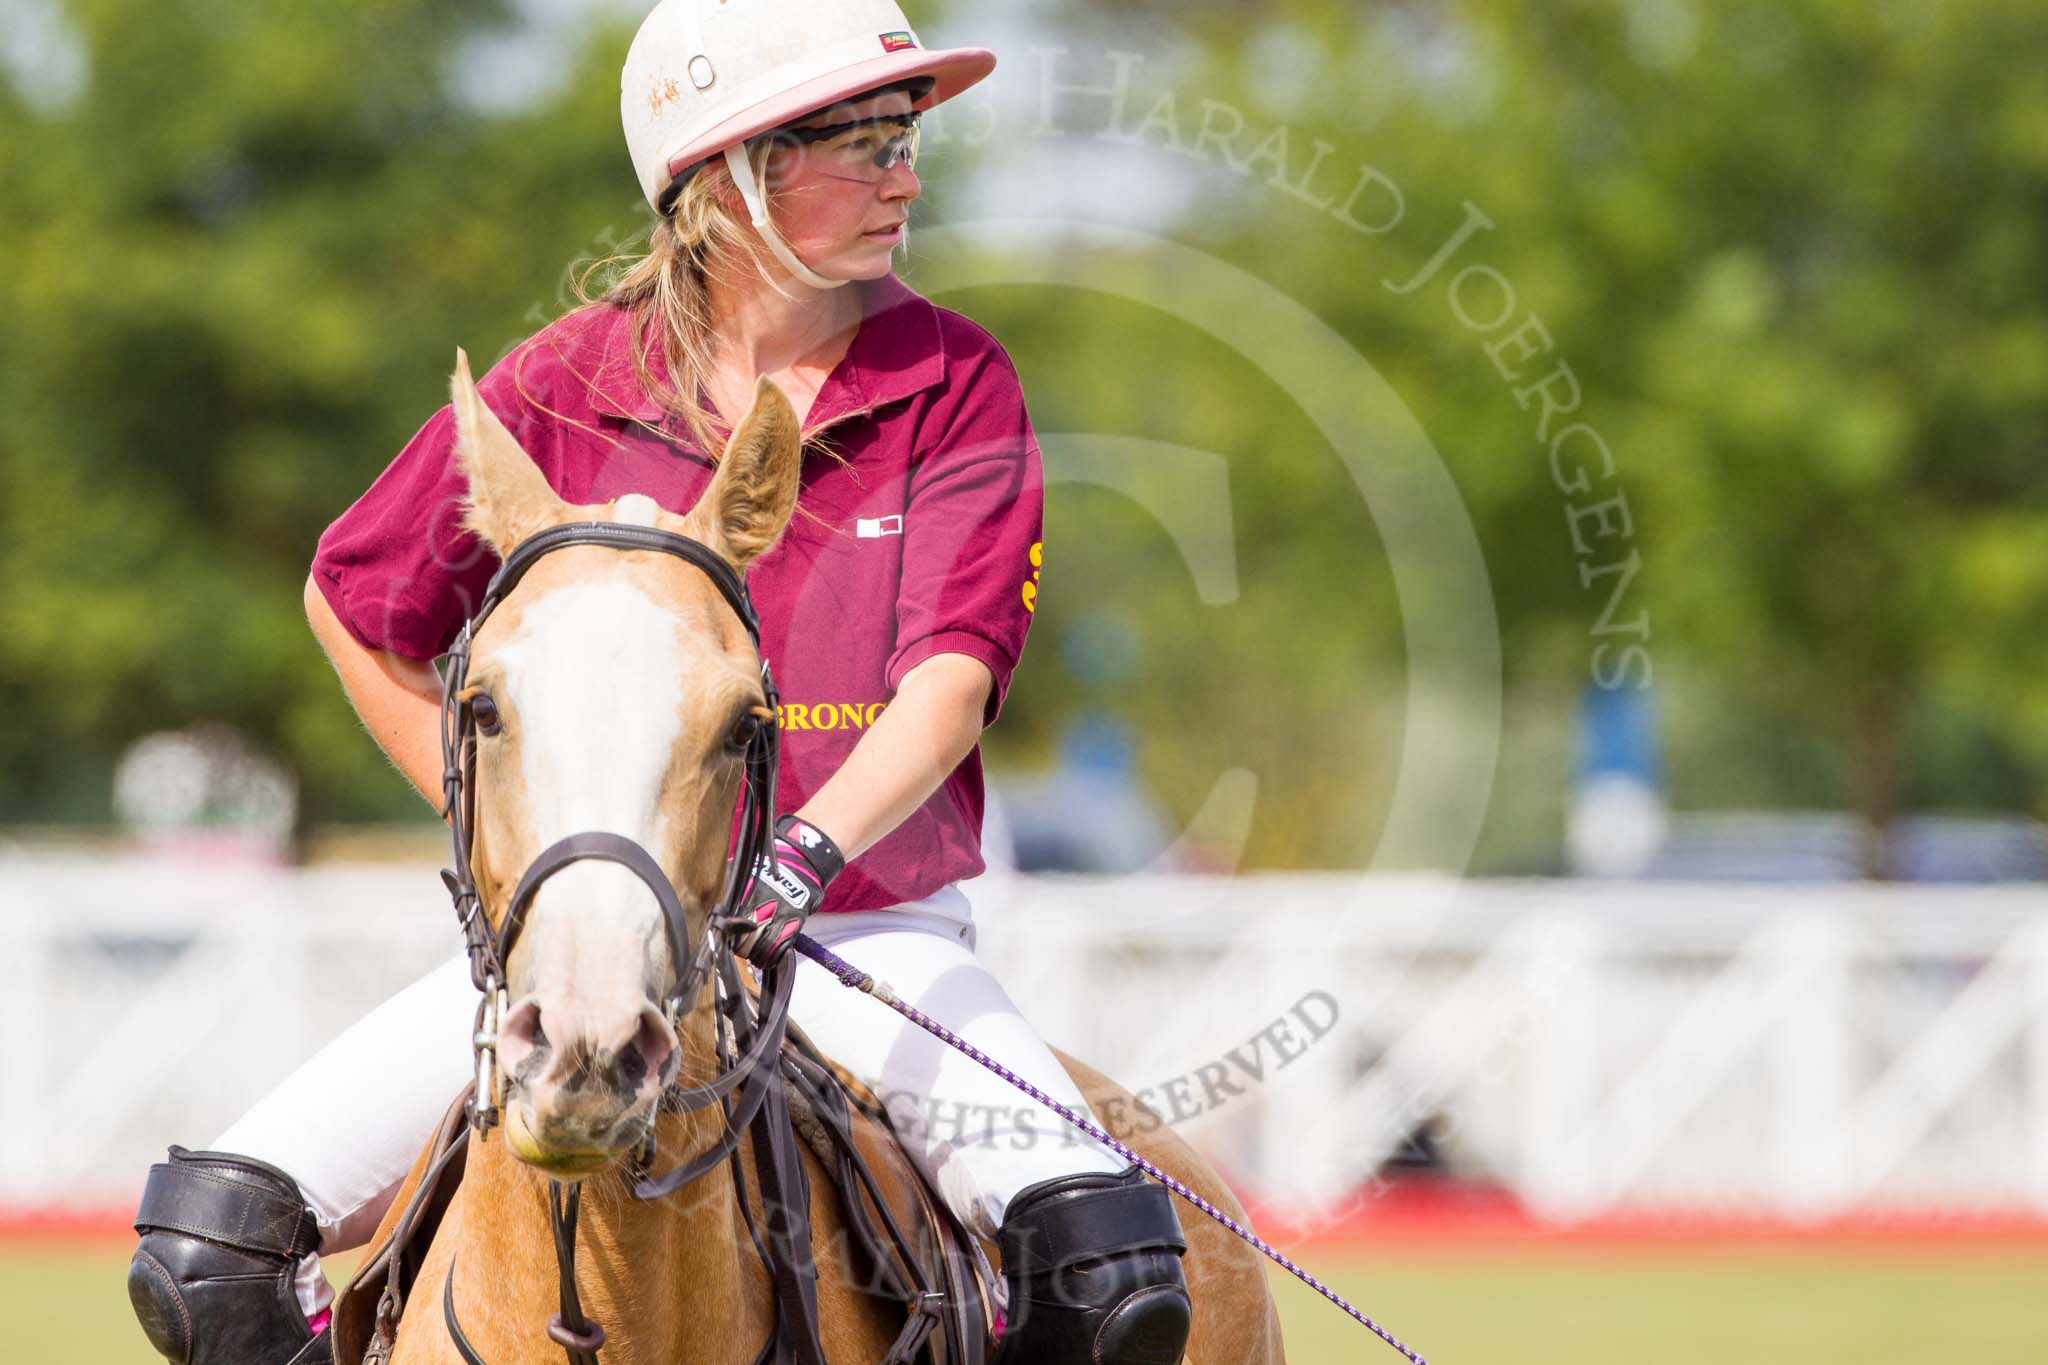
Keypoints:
pixel 749 1066
pixel 490 951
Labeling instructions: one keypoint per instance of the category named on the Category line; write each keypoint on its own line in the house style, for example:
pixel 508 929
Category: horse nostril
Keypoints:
pixel 650 1052
pixel 522 1029
pixel 632 1067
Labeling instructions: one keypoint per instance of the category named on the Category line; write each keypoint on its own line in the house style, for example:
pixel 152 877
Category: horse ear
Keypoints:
pixel 750 498
pixel 509 498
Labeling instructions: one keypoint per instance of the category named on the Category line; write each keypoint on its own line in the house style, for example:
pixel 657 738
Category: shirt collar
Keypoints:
pixel 898 351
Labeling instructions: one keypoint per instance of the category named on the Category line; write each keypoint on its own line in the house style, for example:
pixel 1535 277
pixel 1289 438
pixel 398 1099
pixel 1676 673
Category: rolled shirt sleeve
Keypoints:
pixel 972 533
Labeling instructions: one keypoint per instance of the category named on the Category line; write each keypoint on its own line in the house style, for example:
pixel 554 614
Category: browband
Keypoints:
pixel 619 536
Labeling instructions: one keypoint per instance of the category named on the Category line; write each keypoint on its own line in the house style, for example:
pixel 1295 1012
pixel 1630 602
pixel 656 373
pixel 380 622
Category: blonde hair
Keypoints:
pixel 667 293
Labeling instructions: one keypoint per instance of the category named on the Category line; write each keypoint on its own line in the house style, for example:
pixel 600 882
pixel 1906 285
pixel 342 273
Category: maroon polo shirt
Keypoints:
pixel 926 540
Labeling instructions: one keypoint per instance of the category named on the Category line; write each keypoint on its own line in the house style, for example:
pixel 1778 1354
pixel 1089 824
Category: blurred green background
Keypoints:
pixel 1792 252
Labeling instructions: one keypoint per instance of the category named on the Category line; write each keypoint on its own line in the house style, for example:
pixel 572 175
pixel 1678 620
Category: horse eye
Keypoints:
pixel 486 713
pixel 743 731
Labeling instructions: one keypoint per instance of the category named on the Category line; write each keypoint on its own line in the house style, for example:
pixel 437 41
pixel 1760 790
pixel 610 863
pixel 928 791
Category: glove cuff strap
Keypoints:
pixel 816 846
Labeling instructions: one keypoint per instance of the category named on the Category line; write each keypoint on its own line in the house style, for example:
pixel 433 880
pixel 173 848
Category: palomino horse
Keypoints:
pixel 618 681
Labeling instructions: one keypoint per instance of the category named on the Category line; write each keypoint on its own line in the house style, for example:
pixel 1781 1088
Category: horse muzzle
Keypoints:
pixel 581 1088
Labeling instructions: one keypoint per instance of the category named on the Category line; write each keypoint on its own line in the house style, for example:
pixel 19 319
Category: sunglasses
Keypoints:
pixel 861 149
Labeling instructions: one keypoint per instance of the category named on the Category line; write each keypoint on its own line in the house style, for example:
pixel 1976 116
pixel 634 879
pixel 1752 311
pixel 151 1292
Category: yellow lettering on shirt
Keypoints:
pixel 828 715
pixel 1031 586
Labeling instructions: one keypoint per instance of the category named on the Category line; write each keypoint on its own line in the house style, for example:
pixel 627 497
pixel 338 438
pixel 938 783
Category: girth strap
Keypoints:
pixel 212 1202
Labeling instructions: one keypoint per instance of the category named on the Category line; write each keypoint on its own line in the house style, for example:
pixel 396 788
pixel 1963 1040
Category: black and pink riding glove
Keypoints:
pixel 783 896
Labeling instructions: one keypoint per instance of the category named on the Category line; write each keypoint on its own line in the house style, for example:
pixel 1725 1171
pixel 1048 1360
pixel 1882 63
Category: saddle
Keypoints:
pixel 915 1250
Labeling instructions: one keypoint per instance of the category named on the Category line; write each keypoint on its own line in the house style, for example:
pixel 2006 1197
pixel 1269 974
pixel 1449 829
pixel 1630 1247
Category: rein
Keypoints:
pixel 852 976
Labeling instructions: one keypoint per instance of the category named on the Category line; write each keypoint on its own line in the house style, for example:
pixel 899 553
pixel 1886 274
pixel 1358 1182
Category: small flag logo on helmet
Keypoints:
pixel 897 41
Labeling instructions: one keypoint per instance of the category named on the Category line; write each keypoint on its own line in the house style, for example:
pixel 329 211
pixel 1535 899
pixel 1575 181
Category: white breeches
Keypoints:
pixel 978 1139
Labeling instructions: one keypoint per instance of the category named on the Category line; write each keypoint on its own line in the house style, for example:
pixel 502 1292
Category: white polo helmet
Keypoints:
pixel 703 76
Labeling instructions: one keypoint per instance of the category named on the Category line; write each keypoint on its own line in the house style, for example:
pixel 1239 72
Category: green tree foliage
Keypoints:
pixel 240 262
pixel 1792 254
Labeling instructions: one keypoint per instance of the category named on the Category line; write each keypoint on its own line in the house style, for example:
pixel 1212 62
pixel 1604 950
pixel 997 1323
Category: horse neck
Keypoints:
pixel 665 1277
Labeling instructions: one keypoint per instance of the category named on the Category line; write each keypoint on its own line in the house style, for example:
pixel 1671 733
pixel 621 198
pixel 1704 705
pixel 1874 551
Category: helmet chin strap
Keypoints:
pixel 757 205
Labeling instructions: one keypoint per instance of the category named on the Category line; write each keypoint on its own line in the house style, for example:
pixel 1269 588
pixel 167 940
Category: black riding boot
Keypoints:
pixel 222 1236
pixel 1093 1267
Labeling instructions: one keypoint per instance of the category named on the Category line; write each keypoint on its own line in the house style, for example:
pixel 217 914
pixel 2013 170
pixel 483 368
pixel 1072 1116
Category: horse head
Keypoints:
pixel 612 691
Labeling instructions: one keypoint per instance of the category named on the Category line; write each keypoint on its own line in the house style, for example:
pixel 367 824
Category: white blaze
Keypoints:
pixel 593 677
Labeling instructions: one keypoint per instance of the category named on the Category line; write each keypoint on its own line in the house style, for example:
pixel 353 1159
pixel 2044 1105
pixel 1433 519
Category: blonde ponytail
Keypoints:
pixel 667 294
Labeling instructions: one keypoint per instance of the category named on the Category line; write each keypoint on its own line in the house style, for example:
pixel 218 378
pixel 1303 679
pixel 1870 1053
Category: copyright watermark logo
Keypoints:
pixel 1444 764
pixel 1100 113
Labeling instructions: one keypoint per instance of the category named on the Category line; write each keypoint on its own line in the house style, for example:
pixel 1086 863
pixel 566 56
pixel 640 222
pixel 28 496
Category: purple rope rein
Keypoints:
pixel 850 975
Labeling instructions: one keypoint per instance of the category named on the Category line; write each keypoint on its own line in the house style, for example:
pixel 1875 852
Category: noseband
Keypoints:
pixel 490 951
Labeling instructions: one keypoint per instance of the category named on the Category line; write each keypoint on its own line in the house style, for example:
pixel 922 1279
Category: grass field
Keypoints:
pixel 65 1305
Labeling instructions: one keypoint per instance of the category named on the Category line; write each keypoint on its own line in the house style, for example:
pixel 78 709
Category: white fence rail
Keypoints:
pixel 1792 1051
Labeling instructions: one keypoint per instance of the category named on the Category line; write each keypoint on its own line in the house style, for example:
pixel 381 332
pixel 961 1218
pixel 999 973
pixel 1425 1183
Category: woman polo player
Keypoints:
pixel 775 141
